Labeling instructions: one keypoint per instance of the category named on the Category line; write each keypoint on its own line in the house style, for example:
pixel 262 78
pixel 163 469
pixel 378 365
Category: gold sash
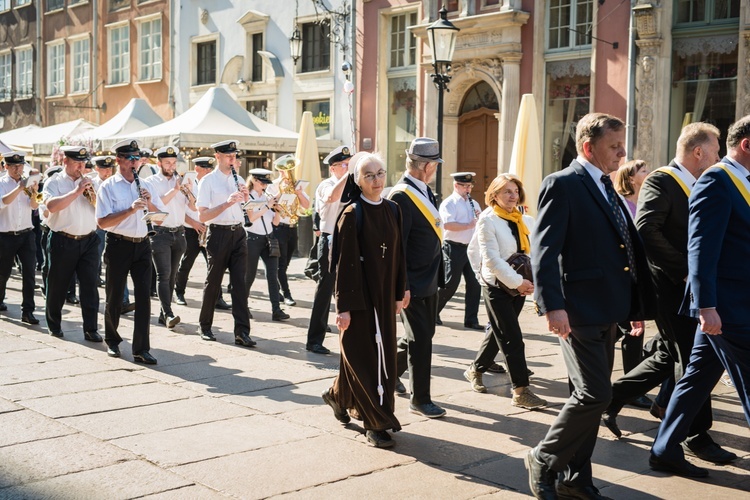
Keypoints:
pixel 739 184
pixel 671 172
pixel 423 204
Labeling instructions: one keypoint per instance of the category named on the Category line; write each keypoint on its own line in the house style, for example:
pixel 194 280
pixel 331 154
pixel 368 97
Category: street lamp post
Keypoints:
pixel 442 35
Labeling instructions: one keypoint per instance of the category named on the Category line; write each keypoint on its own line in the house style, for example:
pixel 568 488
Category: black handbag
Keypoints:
pixel 274 250
pixel 521 263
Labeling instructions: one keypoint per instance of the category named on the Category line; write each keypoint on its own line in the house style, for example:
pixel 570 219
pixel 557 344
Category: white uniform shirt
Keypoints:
pixel 193 214
pixel 455 209
pixel 328 211
pixel 213 190
pixel 158 185
pixel 78 218
pixel 267 218
pixel 97 182
pixel 17 215
pixel 115 195
pixel 273 190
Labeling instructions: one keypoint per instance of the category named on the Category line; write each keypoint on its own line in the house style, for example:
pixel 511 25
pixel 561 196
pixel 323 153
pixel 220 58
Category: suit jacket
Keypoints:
pixel 578 256
pixel 424 254
pixel 719 249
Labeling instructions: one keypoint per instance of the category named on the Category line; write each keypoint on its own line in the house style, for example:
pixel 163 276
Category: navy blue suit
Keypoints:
pixel 718 276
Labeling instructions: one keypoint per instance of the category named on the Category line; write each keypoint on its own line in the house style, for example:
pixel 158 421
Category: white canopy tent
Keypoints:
pixel 13 138
pixel 42 141
pixel 133 118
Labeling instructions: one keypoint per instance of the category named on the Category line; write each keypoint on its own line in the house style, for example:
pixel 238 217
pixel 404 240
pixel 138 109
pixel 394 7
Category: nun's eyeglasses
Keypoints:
pixel 380 174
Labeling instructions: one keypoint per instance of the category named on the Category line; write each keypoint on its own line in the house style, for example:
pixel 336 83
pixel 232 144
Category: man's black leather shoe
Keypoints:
pixel 641 402
pixel 429 410
pixel 154 294
pixel 438 321
pixel 657 411
pixel 222 305
pixel 328 329
pixel 113 351
pixel 56 333
pixel 541 478
pixel 610 420
pixel 180 299
pixel 279 316
pixel 318 349
pixel 92 336
pixel 684 468
pixel 244 339
pixel 161 320
pixel 126 308
pixel 400 387
pixel 72 299
pixel 380 439
pixel 29 318
pixel 3 307
pixel 145 358
pixel 208 335
pixel 473 326
pixel 565 492
pixel 711 453
pixel 338 412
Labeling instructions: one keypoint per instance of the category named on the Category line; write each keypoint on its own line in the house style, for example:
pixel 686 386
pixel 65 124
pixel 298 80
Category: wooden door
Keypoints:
pixel 477 148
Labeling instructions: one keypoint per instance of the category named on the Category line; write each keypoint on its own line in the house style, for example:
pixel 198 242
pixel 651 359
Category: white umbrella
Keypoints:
pixel 307 153
pixel 526 157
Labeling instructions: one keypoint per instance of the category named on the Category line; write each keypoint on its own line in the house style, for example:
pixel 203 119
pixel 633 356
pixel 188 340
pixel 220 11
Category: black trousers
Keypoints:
pixel 192 249
pixel 167 249
pixel 415 347
pixel 503 310
pixel 22 246
pixel 457 264
pixel 589 355
pixel 287 236
pixel 630 346
pixel 67 258
pixel 226 248
pixel 257 249
pixel 123 257
pixel 316 332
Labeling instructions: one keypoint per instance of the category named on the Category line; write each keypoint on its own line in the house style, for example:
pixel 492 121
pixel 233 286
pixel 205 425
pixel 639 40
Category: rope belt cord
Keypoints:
pixel 382 370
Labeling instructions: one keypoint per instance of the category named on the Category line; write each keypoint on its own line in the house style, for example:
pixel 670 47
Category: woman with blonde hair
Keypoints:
pixel 501 232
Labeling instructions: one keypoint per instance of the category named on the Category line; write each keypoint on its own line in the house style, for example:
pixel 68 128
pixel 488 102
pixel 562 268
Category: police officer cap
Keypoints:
pixel 14 157
pixel 103 161
pixel 204 161
pixel 127 147
pixel 341 153
pixel 146 153
pixel 225 147
pixel 286 162
pixel 261 174
pixel 167 152
pixel 467 177
pixel 52 171
pixel 76 153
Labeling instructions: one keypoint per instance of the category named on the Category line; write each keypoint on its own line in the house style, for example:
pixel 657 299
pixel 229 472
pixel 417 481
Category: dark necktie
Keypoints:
pixel 622 226
pixel 431 197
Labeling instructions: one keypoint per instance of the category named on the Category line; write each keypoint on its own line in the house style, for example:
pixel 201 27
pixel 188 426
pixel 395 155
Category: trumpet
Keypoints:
pixel 38 196
pixel 89 193
pixel 186 190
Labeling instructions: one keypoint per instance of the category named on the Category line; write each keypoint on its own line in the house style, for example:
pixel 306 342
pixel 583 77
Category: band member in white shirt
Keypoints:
pixel 72 244
pixel 120 208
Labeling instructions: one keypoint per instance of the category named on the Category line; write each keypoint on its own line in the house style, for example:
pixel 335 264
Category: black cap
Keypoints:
pixel 127 147
pixel 103 161
pixel 261 174
pixel 341 153
pixel 167 152
pixel 225 147
pixel 204 161
pixel 465 177
pixel 77 153
pixel 14 158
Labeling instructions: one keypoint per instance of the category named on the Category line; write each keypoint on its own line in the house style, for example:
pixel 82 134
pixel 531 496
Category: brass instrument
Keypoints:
pixel 38 196
pixel 203 238
pixel 186 190
pixel 89 193
pixel 287 186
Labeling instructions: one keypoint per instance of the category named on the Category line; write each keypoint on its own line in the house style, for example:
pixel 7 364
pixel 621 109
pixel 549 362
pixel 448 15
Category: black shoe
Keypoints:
pixel 101 282
pixel 684 468
pixel 380 439
pixel 3 307
pixel 72 299
pixel 290 301
pixel 244 339
pixel 541 477
pixel 610 420
pixel 113 351
pixel 566 492
pixel 710 453
pixel 222 305
pixel 172 321
pixel 279 316
pixel 496 368
pixel 340 414
pixel 92 336
pixel 56 333
pixel 318 349
pixel 438 321
pixel 641 402
pixel 161 320
pixel 154 294
pixel 145 358
pixel 127 307
pixel 657 411
pixel 207 335
pixel 400 388
pixel 249 314
pixel 328 329
pixel 429 410
pixel 180 299
pixel 473 326
pixel 29 318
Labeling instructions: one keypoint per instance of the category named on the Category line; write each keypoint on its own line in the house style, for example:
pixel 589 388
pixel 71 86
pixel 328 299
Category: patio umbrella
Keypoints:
pixel 307 153
pixel 526 156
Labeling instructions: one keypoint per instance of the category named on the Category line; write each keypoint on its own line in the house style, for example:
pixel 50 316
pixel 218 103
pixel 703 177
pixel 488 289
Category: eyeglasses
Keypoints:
pixel 465 184
pixel 344 164
pixel 380 174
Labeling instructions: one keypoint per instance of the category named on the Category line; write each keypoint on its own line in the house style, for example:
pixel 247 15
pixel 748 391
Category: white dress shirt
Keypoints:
pixel 329 212
pixel 17 215
pixel 213 190
pixel 193 214
pixel 456 209
pixel 115 195
pixel 687 177
pixel 266 218
pixel 78 218
pixel 158 186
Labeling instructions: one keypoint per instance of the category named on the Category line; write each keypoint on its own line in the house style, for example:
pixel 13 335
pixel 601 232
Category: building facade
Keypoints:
pixel 19 64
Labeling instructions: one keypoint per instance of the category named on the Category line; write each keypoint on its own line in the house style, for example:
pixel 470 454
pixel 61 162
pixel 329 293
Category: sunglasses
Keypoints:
pixel 130 157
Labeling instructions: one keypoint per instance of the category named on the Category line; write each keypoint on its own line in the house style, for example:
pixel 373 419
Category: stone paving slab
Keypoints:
pixel 291 466
pixel 6 406
pixel 13 343
pixel 107 399
pixel 131 479
pixel 63 367
pixel 289 398
pixel 157 417
pixel 25 426
pixel 37 460
pixel 193 492
pixel 214 439
pixel 31 356
pixel 71 385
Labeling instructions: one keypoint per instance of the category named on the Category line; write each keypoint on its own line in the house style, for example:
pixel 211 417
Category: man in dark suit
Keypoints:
pixel 422 240
pixel 718 292
pixel 590 273
pixel 662 220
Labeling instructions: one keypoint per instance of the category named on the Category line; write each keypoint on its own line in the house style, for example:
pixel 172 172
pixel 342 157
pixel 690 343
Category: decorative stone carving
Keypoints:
pixel 491 67
pixel 718 44
pixel 647 90
pixel 479 39
pixel 746 85
pixel 569 69
pixel 645 18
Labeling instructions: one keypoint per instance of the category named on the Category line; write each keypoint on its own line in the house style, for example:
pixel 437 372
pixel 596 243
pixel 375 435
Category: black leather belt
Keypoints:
pixel 287 225
pixel 160 229
pixel 232 227
pixel 75 236
pixel 127 238
pixel 16 233
pixel 457 243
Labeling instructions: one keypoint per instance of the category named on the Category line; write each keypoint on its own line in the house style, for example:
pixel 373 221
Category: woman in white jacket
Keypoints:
pixel 502 231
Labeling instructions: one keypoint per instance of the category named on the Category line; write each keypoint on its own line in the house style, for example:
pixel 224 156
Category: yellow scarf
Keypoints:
pixel 523 231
